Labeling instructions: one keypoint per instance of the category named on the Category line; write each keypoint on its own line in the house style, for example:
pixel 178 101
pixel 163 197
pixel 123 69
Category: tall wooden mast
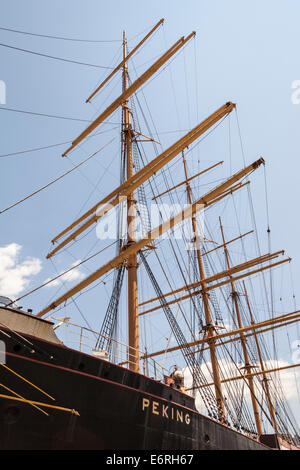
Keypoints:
pixel 248 365
pixel 262 366
pixel 210 330
pixel 133 321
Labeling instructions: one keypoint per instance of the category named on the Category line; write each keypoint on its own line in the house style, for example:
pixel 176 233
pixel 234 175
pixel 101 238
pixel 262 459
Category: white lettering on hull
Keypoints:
pixel 165 411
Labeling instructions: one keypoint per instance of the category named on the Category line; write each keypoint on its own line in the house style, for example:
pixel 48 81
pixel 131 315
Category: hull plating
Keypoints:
pixel 118 409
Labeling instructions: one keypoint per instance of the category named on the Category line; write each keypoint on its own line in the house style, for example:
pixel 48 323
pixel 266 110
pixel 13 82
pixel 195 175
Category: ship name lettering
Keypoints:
pixel 179 415
pixel 155 404
pixel 165 411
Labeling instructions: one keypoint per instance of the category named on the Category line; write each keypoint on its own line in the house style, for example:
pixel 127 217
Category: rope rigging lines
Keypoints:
pixel 237 410
pixel 59 37
pixel 61 59
pixel 104 340
pixel 56 179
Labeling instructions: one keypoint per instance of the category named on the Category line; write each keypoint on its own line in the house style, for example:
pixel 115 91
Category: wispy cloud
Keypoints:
pixel 15 274
pixel 73 275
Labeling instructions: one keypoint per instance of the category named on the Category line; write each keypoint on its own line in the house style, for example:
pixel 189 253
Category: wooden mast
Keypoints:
pixel 248 366
pixel 133 319
pixel 154 234
pixel 262 366
pixel 130 90
pixel 277 322
pixel 125 59
pixel 241 377
pixel 210 330
pixel 112 199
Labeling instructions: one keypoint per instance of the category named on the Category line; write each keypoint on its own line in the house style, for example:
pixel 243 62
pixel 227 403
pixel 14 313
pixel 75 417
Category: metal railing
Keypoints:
pixel 84 340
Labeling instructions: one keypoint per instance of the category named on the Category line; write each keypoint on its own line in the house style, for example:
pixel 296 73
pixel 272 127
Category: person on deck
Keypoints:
pixel 178 378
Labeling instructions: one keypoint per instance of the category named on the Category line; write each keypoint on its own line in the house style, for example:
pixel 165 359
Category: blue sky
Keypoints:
pixel 246 52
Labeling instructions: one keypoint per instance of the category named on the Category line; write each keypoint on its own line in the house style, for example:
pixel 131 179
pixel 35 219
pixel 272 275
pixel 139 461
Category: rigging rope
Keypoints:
pixel 61 274
pixel 72 299
pixel 104 340
pixel 271 276
pixel 206 395
pixel 3 108
pixel 58 37
pixel 71 39
pixel 53 57
pixel 56 179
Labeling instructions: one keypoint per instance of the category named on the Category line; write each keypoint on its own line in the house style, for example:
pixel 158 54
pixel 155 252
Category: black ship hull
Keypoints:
pixel 118 409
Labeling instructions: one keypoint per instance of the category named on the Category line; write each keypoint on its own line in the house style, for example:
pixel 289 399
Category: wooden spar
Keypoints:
pixel 230 241
pixel 246 376
pixel 152 235
pixel 116 201
pixel 140 177
pixel 262 365
pixel 187 180
pixel 232 340
pixel 130 90
pixel 274 321
pixel 205 297
pixel 248 365
pixel 35 403
pixel 217 276
pixel 227 193
pixel 125 59
pixel 133 318
pixel 204 125
pixel 219 284
pixel 147 139
pixel 282 323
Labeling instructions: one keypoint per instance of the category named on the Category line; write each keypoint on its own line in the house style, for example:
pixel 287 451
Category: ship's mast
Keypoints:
pixel 248 366
pixel 262 366
pixel 209 327
pixel 133 323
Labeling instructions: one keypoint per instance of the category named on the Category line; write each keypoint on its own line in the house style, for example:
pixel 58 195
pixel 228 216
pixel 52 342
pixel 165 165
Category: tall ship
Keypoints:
pixel 185 354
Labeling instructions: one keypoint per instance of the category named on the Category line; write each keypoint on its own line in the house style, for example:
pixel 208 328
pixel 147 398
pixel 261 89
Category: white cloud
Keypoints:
pixel 14 274
pixel 73 275
pixel 287 379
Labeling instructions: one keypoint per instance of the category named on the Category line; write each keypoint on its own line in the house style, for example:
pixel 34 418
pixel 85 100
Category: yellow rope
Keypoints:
pixel 72 411
pixel 22 398
pixel 30 383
